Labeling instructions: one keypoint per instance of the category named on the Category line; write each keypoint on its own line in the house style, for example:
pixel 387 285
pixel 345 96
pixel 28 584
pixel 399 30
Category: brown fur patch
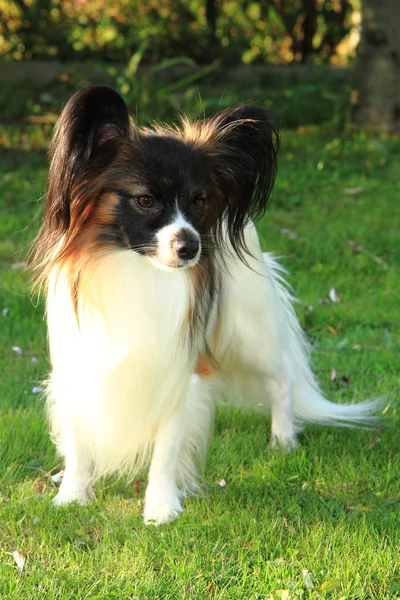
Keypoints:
pixel 205 368
pixel 105 211
pixel 207 364
pixel 83 243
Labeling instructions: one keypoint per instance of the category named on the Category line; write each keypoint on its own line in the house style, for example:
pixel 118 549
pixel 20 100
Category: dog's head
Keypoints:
pixel 166 193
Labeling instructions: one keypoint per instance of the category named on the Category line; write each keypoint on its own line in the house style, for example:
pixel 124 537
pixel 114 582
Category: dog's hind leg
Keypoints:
pixel 181 443
pixel 283 433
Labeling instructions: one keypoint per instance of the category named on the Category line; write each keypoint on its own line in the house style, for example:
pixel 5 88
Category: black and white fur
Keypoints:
pixel 158 296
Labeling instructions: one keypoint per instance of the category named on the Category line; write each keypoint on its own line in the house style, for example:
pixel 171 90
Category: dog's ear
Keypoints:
pixel 241 144
pixel 87 136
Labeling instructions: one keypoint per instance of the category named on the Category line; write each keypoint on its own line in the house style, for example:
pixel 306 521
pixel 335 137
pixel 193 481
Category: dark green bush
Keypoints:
pixel 246 31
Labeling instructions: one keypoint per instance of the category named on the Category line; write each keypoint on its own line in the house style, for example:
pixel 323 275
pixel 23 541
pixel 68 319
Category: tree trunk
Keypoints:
pixel 211 16
pixel 309 29
pixel 377 74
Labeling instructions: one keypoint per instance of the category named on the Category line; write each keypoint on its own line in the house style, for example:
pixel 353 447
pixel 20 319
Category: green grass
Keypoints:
pixel 332 508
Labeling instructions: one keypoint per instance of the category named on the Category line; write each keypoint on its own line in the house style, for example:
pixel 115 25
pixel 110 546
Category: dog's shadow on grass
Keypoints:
pixel 335 475
pixel 333 480
pixel 334 472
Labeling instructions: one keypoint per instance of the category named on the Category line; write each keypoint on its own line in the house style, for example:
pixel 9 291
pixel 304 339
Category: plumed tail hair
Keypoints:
pixel 309 403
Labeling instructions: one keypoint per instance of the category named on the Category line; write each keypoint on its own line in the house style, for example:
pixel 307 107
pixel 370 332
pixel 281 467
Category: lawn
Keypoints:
pixel 322 522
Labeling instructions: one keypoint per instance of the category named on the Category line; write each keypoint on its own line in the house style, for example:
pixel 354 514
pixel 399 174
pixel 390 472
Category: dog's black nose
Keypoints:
pixel 186 248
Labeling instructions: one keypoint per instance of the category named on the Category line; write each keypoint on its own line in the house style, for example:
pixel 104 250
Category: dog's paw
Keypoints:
pixel 158 515
pixel 161 506
pixel 283 444
pixel 68 495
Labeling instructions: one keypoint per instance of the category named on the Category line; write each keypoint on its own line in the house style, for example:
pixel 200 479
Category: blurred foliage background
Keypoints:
pixel 166 56
pixel 274 31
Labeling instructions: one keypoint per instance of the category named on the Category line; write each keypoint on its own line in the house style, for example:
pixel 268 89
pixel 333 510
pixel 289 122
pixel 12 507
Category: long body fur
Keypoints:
pixel 140 354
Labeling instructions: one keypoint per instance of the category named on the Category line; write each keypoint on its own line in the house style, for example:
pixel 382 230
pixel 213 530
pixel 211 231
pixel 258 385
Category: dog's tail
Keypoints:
pixel 309 404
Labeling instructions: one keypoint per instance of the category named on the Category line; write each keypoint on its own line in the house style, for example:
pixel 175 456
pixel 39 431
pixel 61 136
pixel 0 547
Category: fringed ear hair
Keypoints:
pixel 241 144
pixel 95 118
pixel 87 139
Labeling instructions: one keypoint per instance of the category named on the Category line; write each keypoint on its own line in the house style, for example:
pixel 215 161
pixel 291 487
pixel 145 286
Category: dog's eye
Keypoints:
pixel 145 201
pixel 199 202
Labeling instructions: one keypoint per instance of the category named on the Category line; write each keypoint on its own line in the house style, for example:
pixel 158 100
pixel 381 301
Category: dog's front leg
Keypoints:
pixel 75 485
pixel 181 443
pixel 163 498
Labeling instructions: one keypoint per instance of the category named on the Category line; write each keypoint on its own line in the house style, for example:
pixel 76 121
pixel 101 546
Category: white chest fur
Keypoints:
pixel 127 364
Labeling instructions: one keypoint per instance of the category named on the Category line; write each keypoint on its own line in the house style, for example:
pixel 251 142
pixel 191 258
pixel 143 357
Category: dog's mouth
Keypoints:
pixel 176 265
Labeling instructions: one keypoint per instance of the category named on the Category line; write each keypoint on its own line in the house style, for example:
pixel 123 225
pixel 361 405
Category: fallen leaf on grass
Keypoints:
pixel 288 232
pixel 191 588
pixel 233 429
pixel 20 560
pixel 333 296
pixel 357 248
pixel 346 379
pixel 210 589
pixel 137 483
pixel 40 486
pixel 286 525
pixel 57 477
pixel 307 579
pixel 359 507
pixel 343 378
pixel 328 586
pixel 331 330
pixel 373 443
pixel 354 190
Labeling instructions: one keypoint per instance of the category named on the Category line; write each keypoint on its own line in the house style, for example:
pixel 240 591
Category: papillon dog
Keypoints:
pixel 159 297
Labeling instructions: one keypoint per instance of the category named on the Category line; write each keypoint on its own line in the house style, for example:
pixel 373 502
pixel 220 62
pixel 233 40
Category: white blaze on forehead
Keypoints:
pixel 167 234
